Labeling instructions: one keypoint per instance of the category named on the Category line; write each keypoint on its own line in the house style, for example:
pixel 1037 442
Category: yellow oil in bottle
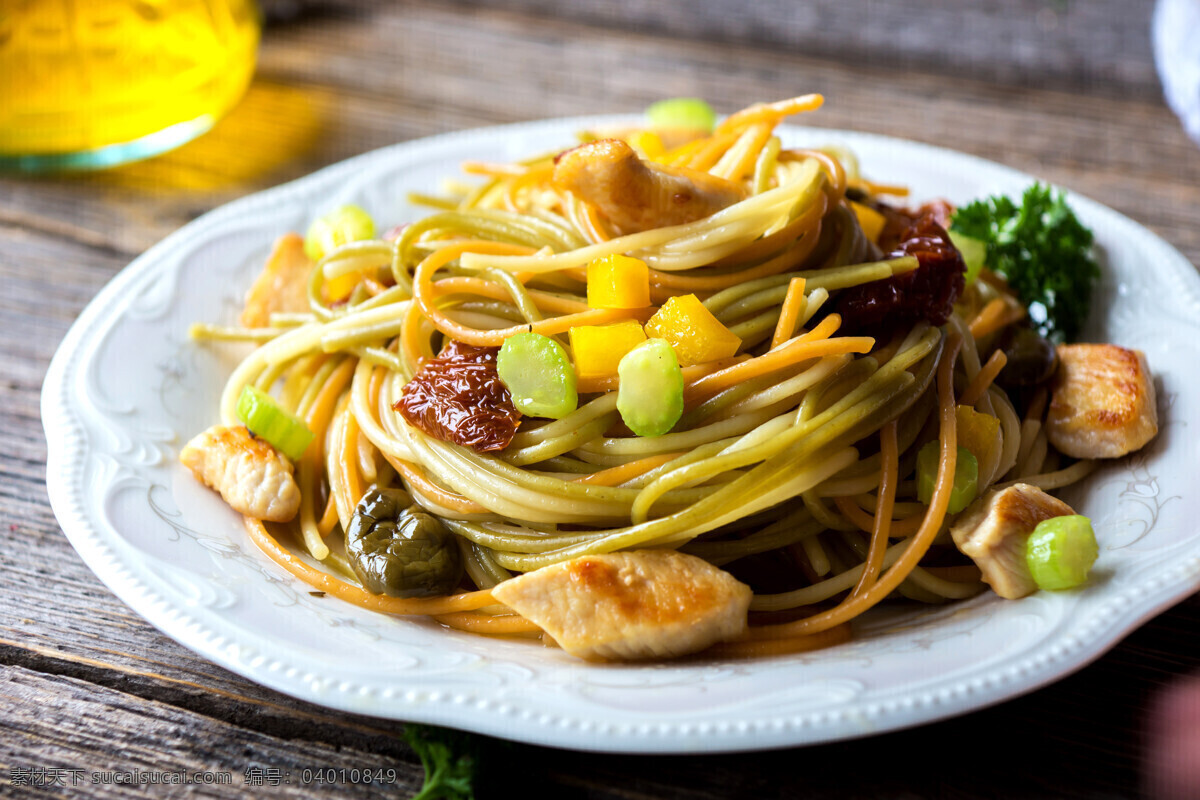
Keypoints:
pixel 89 83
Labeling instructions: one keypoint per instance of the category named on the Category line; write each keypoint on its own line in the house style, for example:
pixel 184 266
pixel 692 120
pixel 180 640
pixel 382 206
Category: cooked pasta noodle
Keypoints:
pixel 794 456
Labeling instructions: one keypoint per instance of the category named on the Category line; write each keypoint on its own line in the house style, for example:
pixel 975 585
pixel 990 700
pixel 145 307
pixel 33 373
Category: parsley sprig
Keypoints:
pixel 450 759
pixel 1042 250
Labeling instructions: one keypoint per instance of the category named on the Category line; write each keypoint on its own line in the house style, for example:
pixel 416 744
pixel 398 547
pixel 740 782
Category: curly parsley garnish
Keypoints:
pixel 1044 253
pixel 450 758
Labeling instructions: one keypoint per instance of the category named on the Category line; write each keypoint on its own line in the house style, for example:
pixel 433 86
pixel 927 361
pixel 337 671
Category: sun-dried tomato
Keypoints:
pixel 928 292
pixel 458 397
pixel 898 220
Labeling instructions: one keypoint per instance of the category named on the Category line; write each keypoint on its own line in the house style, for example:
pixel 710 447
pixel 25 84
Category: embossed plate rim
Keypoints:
pixel 516 691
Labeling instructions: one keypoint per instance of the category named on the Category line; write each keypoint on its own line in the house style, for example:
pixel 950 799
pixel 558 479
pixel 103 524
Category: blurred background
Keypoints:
pixel 1066 90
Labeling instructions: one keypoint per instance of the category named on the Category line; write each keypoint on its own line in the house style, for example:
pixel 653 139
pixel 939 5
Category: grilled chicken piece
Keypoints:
pixel 252 476
pixel 993 530
pixel 631 605
pixel 282 285
pixel 1103 401
pixel 639 195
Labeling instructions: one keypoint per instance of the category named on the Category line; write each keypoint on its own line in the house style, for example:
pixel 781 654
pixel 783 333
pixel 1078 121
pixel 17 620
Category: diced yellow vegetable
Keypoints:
pixel 350 223
pixel 618 281
pixel 693 331
pixel 598 349
pixel 979 433
pixel 647 143
pixel 870 220
pixel 340 287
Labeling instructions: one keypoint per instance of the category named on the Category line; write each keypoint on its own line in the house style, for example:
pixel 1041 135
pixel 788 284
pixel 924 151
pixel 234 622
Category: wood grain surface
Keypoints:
pixel 1065 91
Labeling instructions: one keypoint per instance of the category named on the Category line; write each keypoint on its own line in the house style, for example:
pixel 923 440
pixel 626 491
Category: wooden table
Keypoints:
pixel 1067 93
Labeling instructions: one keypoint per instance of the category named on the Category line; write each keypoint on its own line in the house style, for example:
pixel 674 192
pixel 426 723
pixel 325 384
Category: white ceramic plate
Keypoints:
pixel 127 387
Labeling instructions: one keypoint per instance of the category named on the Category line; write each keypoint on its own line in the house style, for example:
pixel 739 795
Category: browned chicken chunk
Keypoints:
pixel 631 605
pixel 993 530
pixel 1103 401
pixel 639 195
pixel 283 284
pixel 251 475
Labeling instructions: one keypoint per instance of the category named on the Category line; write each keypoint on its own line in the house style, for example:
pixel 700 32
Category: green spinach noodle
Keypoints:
pixel 793 464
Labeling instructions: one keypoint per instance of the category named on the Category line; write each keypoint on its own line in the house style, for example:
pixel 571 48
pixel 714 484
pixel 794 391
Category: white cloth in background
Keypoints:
pixel 1176 34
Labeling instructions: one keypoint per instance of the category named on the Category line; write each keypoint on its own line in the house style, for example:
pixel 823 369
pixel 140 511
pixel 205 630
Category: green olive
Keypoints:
pixel 398 549
pixel 1032 359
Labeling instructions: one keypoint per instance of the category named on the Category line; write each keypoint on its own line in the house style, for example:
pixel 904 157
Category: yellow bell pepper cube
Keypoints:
pixel 979 433
pixel 693 331
pixel 342 286
pixel 598 349
pixel 870 220
pixel 618 281
pixel 647 143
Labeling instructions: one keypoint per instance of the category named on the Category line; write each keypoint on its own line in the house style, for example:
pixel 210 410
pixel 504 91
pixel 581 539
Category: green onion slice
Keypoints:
pixel 966 476
pixel 1060 551
pixel 538 374
pixel 267 420
pixel 974 253
pixel 682 112
pixel 650 392
pixel 330 231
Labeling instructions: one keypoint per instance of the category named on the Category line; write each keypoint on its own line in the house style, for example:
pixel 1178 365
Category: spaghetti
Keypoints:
pixel 792 463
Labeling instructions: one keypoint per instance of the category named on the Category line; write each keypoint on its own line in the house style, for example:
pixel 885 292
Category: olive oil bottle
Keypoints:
pixel 91 83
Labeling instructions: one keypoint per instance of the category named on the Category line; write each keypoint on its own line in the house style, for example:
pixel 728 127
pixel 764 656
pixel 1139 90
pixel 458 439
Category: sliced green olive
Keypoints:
pixel 400 550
